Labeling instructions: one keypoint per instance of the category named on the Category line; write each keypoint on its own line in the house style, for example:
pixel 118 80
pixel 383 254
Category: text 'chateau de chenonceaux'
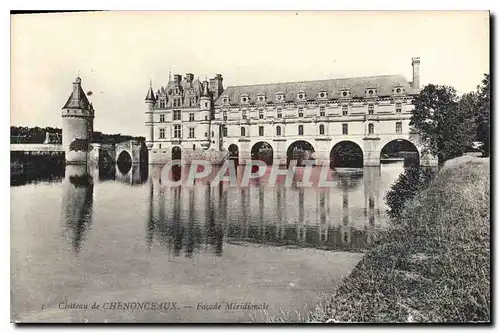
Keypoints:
pixel 188 119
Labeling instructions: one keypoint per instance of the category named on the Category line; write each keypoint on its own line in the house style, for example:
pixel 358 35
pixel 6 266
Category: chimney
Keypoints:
pixel 76 89
pixel 415 63
pixel 216 85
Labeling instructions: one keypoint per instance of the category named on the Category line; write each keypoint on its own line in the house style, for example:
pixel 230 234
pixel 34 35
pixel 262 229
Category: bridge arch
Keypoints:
pixel 176 153
pixel 346 154
pixel 397 149
pixel 124 161
pixel 233 153
pixel 263 151
pixel 300 151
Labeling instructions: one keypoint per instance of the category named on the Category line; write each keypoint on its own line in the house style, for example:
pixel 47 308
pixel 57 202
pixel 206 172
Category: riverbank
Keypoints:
pixel 434 263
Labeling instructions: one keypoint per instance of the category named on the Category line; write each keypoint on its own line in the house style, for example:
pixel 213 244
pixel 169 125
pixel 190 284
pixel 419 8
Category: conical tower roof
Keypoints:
pixel 77 99
pixel 151 95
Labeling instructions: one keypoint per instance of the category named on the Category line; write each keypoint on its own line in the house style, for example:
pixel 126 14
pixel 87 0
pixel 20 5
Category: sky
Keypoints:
pixel 117 53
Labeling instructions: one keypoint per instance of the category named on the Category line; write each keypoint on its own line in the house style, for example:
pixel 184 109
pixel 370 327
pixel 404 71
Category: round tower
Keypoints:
pixel 150 102
pixel 77 125
pixel 205 110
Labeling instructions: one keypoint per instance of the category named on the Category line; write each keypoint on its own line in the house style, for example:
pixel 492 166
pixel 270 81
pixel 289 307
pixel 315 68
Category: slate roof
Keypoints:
pixel 151 95
pixel 357 86
pixel 79 101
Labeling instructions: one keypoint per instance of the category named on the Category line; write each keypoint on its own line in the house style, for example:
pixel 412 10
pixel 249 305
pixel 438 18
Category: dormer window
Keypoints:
pixel 245 99
pixel 371 92
pixel 162 103
pixel 225 100
pixel 345 93
pixel 279 97
pixel 301 96
pixel 398 90
pixel 261 98
pixel 322 95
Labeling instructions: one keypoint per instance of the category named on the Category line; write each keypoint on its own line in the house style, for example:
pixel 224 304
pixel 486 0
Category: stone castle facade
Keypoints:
pixel 190 119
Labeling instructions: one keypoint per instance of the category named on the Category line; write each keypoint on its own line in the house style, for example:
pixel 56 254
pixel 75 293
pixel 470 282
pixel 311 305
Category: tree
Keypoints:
pixel 445 123
pixel 483 114
pixel 410 182
pixel 80 145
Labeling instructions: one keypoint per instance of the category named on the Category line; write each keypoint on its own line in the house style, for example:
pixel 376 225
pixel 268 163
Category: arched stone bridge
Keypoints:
pixel 132 148
pixel 370 145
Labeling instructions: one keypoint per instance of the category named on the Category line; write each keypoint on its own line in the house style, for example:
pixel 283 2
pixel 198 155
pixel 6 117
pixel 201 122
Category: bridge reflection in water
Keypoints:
pixel 202 218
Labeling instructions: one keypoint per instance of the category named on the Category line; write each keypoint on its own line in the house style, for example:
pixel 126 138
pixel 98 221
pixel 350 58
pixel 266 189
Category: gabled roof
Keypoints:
pixel 357 86
pixel 77 100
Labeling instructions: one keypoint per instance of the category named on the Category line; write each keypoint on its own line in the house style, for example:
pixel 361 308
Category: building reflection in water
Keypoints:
pixel 77 200
pixel 203 218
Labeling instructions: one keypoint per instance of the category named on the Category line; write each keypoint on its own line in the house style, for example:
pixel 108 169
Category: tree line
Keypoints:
pixel 452 125
pixel 23 134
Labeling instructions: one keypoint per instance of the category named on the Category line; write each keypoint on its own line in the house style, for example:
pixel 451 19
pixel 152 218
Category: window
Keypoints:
pixel 344 129
pixel 191 132
pixel 301 129
pixel 261 114
pixel 301 112
pixel 279 114
pixel 224 115
pixel 261 130
pixel 206 135
pixel 399 127
pixel 162 133
pixel 398 107
pixel 159 146
pixel 370 128
pixel 371 108
pixel 176 102
pixel 206 117
pixel 191 117
pixel 177 131
pixel 278 130
pixel 321 129
pixel 177 114
pixel 162 118
pixel 224 131
pixel 344 110
pixel 321 111
pixel 194 146
pixel 206 104
pixel 243 115
pixel 243 132
pixel 162 103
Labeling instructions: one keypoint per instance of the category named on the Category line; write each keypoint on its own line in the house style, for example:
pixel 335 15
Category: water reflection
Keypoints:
pixel 187 220
pixel 77 200
pixel 203 218
pixel 136 174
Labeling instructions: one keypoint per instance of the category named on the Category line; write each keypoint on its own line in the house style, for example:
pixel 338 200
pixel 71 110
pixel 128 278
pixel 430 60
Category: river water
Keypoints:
pixel 82 241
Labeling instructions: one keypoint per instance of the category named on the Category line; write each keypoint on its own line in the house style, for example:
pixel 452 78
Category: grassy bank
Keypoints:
pixel 434 263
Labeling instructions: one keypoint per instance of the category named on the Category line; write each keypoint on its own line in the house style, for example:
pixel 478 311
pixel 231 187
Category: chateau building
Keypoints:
pixel 189 119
